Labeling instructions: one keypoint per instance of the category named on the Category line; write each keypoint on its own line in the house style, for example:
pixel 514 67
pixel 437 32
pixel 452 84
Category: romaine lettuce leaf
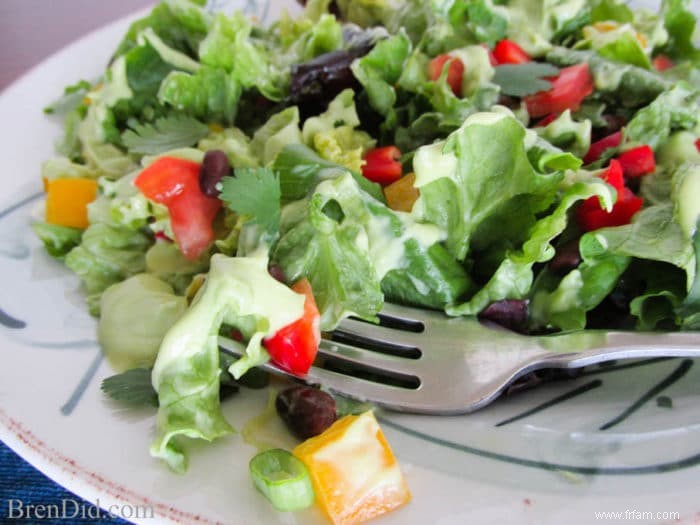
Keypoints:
pixel 351 247
pixel 106 255
pixel 281 129
pixel 234 143
pixel 301 169
pixel 239 292
pixel 230 46
pixel 333 135
pixel 514 276
pixel 149 308
pixel 380 69
pixel 58 240
pixel 678 108
pixel 680 22
pixel 653 235
pixel 480 167
pixel 210 94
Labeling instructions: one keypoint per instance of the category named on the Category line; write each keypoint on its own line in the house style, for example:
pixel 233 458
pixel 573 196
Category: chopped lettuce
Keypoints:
pixel 58 240
pixel 333 135
pixel 149 308
pixel 380 69
pixel 107 255
pixel 238 292
pixel 564 132
pixel 234 143
pixel 678 108
pixel 480 167
pixel 210 94
pixel 352 247
pixel 301 169
pixel 280 130
pixel 514 276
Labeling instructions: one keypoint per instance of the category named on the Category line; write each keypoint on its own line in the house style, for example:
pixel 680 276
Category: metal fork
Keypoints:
pixel 424 362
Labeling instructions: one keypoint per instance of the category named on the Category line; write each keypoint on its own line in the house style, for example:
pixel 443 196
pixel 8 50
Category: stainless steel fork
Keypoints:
pixel 422 361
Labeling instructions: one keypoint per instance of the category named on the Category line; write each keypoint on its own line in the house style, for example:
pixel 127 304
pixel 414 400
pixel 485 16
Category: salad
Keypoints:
pixel 533 163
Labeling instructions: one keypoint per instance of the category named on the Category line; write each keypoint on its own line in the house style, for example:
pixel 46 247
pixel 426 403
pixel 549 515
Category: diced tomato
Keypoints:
pixel 508 52
pixel 569 88
pixel 174 183
pixel 382 165
pixel 697 144
pixel 591 216
pixel 638 161
pixel 600 146
pixel 662 63
pixel 455 71
pixel 293 348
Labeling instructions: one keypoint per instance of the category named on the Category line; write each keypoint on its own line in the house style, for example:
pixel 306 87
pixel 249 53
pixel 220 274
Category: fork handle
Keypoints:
pixel 634 345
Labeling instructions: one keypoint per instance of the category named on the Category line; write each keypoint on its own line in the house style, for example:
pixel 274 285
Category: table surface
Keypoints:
pixel 30 31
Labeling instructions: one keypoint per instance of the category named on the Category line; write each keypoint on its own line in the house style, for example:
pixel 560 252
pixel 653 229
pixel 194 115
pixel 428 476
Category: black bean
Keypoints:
pixel 307 411
pixel 215 167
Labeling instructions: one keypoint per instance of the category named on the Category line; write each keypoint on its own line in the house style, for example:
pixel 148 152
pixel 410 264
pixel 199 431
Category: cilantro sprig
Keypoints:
pixel 132 387
pixel 255 193
pixel 166 133
pixel 519 80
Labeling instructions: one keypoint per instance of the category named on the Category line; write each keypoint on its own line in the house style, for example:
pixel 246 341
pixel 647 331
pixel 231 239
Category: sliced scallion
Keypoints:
pixel 283 479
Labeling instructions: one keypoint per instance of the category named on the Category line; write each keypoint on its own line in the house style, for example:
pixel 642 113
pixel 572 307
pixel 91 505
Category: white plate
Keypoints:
pixel 552 466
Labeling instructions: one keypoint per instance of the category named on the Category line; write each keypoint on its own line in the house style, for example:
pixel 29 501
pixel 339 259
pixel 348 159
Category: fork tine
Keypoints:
pixel 366 358
pixel 356 388
pixel 385 335
pixel 360 389
pixel 405 313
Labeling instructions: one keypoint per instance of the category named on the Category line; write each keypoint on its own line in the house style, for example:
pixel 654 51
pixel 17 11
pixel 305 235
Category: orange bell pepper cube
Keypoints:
pixel 67 200
pixel 402 195
pixel 353 470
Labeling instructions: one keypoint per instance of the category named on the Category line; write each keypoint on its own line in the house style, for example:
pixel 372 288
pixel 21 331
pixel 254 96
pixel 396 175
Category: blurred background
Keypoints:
pixel 31 30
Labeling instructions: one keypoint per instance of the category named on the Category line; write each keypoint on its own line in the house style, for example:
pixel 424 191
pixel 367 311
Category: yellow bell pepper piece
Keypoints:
pixel 67 200
pixel 353 470
pixel 401 195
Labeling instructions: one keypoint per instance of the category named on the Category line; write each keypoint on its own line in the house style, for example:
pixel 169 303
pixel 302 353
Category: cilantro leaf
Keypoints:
pixel 132 387
pixel 519 80
pixel 254 192
pixel 167 133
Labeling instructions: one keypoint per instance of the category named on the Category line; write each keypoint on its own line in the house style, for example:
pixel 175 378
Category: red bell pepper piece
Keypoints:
pixel 508 52
pixel 591 216
pixel 627 205
pixel 662 63
pixel 569 88
pixel 600 146
pixel 455 71
pixel 637 161
pixel 697 144
pixel 174 183
pixel 293 348
pixel 547 120
pixel 382 165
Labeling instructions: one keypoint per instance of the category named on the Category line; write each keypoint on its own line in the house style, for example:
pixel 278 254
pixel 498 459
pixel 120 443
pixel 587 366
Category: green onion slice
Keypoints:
pixel 283 479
